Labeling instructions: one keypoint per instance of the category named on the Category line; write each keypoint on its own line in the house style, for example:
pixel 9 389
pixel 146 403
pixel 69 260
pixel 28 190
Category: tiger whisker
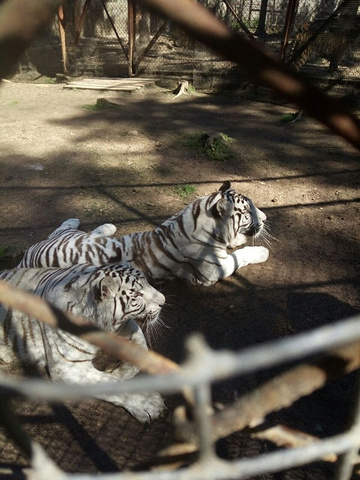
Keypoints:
pixel 156 331
pixel 267 235
pixel 264 236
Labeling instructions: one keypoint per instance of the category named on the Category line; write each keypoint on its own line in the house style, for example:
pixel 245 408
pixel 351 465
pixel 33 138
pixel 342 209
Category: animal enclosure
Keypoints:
pixel 134 159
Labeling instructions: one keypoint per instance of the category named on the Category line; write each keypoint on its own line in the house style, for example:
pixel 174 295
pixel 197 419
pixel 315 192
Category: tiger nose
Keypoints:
pixel 161 299
pixel 261 215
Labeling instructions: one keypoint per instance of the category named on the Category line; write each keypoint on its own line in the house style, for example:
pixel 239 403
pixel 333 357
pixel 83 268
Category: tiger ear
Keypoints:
pixel 223 207
pixel 225 186
pixel 102 290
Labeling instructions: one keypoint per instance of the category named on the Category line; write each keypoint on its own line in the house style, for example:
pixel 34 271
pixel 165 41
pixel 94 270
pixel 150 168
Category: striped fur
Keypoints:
pixel 191 245
pixel 112 297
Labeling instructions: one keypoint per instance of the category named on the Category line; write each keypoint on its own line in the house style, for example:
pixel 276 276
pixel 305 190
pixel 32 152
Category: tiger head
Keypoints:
pixel 239 219
pixel 122 293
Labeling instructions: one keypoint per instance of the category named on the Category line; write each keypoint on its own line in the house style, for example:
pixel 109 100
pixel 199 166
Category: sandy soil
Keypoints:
pixel 123 165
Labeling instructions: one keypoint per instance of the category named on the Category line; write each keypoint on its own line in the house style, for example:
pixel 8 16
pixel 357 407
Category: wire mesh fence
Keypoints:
pixel 120 38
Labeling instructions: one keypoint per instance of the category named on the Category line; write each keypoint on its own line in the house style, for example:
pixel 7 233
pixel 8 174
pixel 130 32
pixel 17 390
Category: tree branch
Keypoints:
pixel 20 22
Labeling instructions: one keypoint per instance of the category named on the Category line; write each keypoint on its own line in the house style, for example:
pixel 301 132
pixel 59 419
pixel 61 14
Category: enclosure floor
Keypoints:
pixel 64 155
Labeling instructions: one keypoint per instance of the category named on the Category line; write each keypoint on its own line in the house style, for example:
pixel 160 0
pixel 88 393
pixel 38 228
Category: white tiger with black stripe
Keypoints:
pixel 191 245
pixel 112 297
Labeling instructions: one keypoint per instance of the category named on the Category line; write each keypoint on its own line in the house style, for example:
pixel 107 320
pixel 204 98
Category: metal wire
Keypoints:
pixel 346 462
pixel 215 366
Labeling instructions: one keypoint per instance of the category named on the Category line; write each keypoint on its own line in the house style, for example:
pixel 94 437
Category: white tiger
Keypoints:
pixel 191 245
pixel 112 297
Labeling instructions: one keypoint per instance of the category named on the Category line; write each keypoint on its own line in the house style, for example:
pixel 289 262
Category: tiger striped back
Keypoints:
pixel 191 245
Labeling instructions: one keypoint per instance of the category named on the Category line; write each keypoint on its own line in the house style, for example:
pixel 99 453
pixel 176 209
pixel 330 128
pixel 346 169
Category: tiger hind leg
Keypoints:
pixel 107 229
pixel 69 223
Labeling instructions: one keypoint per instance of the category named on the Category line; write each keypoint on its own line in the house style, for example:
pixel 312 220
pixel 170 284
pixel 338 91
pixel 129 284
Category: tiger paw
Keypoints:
pixel 70 223
pixel 145 408
pixel 255 254
pixel 107 229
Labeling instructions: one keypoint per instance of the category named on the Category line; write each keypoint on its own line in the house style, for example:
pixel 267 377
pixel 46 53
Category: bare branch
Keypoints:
pixel 247 412
pixel 283 390
pixel 283 436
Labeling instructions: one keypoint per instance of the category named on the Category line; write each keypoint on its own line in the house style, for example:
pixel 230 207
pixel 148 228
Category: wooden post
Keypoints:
pixel 80 23
pixel 131 31
pixel 62 37
pixel 261 30
pixel 289 20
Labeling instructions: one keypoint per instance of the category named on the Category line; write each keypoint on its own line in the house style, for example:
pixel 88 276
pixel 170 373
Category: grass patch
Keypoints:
pixel 184 191
pixel 289 117
pixel 50 80
pixel 216 147
pixel 101 104
pixel 195 140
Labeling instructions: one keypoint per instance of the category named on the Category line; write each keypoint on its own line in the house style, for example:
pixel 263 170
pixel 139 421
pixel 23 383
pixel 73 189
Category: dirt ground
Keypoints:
pixel 61 157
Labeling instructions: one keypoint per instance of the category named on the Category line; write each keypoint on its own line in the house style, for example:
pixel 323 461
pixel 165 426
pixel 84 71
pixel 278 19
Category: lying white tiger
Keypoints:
pixel 191 244
pixel 111 297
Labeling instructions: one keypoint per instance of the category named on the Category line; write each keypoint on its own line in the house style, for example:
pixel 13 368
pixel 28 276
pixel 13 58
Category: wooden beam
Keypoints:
pixel 61 18
pixel 132 33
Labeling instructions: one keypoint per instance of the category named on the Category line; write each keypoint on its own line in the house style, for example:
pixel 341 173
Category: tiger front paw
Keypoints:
pixel 70 223
pixel 106 230
pixel 255 254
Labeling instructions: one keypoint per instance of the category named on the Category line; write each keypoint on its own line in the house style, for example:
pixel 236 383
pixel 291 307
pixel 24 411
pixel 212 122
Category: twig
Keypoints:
pixel 285 389
pixel 248 412
pixel 283 436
